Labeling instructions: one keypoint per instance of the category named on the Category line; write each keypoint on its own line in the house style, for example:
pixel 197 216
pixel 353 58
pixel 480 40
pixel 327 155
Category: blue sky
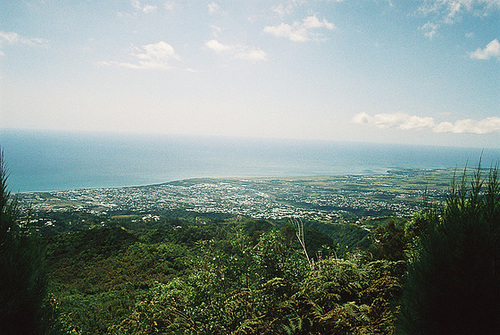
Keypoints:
pixel 414 72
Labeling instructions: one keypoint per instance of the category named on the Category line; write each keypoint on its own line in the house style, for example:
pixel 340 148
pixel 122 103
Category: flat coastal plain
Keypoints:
pixel 399 192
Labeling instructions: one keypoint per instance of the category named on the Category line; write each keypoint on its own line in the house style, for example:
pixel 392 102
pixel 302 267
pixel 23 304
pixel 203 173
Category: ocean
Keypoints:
pixel 49 160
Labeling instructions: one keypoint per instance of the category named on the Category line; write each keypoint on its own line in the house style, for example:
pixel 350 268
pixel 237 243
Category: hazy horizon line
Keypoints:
pixel 234 137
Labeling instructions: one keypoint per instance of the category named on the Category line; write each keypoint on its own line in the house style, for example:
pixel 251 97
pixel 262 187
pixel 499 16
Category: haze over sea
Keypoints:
pixel 43 160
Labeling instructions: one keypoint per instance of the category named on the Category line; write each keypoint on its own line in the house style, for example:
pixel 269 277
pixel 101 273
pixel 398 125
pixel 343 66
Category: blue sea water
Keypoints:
pixel 42 160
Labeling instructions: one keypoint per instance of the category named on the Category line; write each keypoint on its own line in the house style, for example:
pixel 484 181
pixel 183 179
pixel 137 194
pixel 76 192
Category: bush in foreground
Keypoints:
pixel 24 304
pixel 453 280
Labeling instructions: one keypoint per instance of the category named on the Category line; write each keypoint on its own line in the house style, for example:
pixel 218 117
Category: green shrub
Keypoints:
pixel 453 280
pixel 24 307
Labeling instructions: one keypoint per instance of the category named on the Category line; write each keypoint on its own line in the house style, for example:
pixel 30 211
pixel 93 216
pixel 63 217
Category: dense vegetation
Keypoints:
pixel 435 273
pixel 453 281
pixel 237 276
pixel 24 307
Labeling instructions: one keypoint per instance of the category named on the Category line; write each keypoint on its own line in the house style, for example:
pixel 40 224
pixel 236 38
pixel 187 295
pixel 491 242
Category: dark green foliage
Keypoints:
pixel 89 244
pixel 345 237
pixel 421 224
pixel 190 234
pixel 238 287
pixel 390 242
pixel 348 296
pixel 254 228
pixel 152 236
pixel 98 275
pixel 453 282
pixel 23 279
pixel 23 275
pixel 240 276
pixel 317 242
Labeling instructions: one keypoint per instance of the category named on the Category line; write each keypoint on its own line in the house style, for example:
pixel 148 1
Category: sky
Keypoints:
pixel 412 72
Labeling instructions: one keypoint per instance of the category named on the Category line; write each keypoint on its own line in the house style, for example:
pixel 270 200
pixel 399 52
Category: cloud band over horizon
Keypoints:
pixel 405 121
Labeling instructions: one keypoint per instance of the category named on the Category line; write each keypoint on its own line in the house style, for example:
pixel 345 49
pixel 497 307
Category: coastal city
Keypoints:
pixel 332 198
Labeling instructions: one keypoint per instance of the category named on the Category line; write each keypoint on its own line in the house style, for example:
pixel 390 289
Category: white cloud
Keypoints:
pixel 361 118
pixel 300 31
pixel 491 50
pixel 312 22
pixel 484 126
pixel 149 9
pixel 286 9
pixel 451 11
pixel 213 7
pixel 395 120
pixel 296 34
pixel 237 51
pixel 429 29
pixel 217 46
pixel 12 38
pixel 143 8
pixel 250 55
pixel 157 56
pixel 405 121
